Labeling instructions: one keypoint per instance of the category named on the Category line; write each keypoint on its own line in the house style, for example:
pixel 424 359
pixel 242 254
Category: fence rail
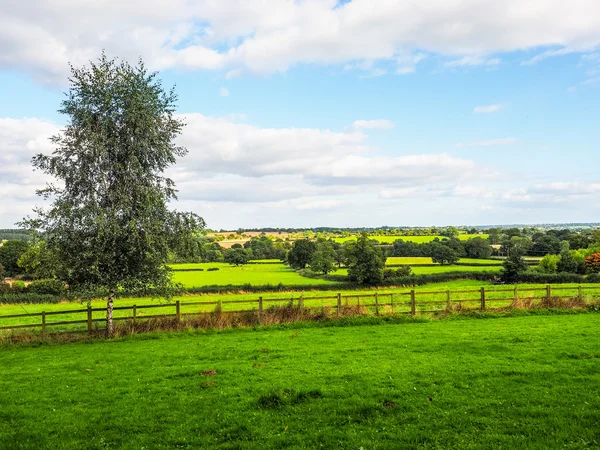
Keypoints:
pixel 408 302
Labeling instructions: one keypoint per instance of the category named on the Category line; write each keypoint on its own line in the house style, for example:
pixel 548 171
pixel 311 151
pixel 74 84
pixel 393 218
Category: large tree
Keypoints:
pixel 365 261
pixel 108 224
pixel 10 252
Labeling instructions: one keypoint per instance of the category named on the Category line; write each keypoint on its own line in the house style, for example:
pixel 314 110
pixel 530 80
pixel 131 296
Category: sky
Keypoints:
pixel 333 113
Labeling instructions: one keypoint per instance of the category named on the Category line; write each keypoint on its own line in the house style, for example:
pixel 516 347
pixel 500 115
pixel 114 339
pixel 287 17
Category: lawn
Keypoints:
pixel 417 239
pixel 519 382
pixel 255 274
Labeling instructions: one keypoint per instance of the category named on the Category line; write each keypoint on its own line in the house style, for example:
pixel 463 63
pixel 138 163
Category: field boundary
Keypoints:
pixel 377 303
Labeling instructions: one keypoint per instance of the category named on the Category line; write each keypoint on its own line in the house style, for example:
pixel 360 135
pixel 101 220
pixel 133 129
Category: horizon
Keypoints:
pixel 402 113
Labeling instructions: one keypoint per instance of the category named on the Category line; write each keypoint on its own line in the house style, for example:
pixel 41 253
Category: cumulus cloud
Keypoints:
pixel 488 109
pixel 238 36
pixel 488 143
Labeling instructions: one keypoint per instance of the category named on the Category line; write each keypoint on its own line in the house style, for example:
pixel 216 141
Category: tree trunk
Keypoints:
pixel 110 327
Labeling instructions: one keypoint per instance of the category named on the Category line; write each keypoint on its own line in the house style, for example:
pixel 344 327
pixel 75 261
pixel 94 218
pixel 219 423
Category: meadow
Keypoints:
pixel 515 382
pixel 417 239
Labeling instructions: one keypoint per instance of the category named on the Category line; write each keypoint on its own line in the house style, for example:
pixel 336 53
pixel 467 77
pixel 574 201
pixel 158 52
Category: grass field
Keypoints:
pixel 255 274
pixel 417 239
pixel 519 382
pixel 411 260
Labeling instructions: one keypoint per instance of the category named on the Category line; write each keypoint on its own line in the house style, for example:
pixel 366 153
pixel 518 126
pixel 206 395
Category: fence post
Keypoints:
pixel 301 302
pixel 89 318
pixel 516 299
pixel 260 307
pixel 134 313
pixel 482 298
pixel 178 310
pixel 413 306
pixel 580 293
pixel 548 293
pixel 339 303
pixel 376 303
pixel 392 302
pixel 448 305
pixel 44 323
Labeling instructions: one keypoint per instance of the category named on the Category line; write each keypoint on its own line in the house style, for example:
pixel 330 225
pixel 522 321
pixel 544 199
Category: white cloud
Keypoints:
pixel 488 109
pixel 545 55
pixel 488 143
pixel 381 124
pixel 224 92
pixel 41 36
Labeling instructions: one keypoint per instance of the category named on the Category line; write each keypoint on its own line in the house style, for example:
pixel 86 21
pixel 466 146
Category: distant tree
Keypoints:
pixel 38 261
pixel 236 256
pixel 324 258
pixel 478 248
pixel 237 246
pixel 301 253
pixel 567 262
pixel 578 241
pixel 10 252
pixel 365 261
pixel 513 266
pixel 592 263
pixel 108 224
pixel 548 264
pixel 443 254
pixel 545 245
pixel 457 245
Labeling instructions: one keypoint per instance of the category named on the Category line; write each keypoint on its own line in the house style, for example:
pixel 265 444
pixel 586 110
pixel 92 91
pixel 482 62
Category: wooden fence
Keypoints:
pixel 377 303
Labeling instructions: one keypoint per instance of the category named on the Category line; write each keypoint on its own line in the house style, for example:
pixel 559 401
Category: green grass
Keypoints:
pixel 255 274
pixel 411 260
pixel 519 382
pixel 441 269
pixel 417 239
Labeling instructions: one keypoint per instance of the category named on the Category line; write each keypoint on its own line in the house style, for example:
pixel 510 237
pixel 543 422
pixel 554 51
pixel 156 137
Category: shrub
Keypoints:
pixel 212 269
pixel 18 286
pixel 52 287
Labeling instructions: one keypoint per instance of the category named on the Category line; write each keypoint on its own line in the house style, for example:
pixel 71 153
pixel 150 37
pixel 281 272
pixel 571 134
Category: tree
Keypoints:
pixel 236 256
pixel 443 254
pixel 38 261
pixel 549 264
pixel 592 262
pixel 545 245
pixel 478 248
pixel 567 262
pixel 365 261
pixel 10 252
pixel 513 266
pixel 1 273
pixel 324 258
pixel 109 225
pixel 301 253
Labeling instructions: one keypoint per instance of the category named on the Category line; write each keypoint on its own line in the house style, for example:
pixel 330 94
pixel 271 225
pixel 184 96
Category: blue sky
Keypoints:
pixel 314 113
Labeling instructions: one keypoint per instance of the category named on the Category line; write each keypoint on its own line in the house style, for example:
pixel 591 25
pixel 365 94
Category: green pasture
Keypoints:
pixel 411 260
pixel 254 274
pixel 417 239
pixel 516 382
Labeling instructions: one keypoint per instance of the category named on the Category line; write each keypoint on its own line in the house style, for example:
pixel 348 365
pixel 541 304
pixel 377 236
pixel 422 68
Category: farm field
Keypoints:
pixel 349 297
pixel 411 260
pixel 255 274
pixel 519 382
pixel 417 239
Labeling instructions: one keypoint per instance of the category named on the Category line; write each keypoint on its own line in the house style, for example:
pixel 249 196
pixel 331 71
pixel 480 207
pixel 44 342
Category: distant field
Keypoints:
pixel 401 260
pixel 417 239
pixel 255 274
pixel 510 383
pixel 442 269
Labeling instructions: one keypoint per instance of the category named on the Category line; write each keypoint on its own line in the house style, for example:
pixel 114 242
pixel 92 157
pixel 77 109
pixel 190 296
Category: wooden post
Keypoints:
pixel 260 307
pixel 134 313
pixel 44 323
pixel 413 306
pixel 548 293
pixel 579 293
pixel 376 303
pixel 301 302
pixel 448 305
pixel 516 299
pixel 89 318
pixel 482 298
pixel 339 303
pixel 178 310
pixel 392 302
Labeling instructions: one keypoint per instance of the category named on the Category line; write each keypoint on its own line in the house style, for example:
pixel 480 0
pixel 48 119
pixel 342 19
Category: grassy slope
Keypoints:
pixel 521 382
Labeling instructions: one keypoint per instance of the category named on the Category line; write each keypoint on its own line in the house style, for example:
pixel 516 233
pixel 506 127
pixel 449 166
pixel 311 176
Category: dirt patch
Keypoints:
pixel 389 404
pixel 208 373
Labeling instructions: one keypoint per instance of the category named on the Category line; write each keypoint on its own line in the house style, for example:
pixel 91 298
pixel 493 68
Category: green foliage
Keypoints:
pixel 548 264
pixel 1 273
pixel 570 261
pixel 400 272
pixel 365 262
pixel 10 252
pixel 478 248
pixel 301 253
pixel 236 256
pixel 50 287
pixel 109 226
pixel 443 254
pixel 38 261
pixel 18 286
pixel 514 265
pixel 324 258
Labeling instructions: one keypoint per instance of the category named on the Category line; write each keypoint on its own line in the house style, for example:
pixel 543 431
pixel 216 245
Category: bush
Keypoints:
pixel 4 287
pixel 18 286
pixel 52 287
pixel 212 269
